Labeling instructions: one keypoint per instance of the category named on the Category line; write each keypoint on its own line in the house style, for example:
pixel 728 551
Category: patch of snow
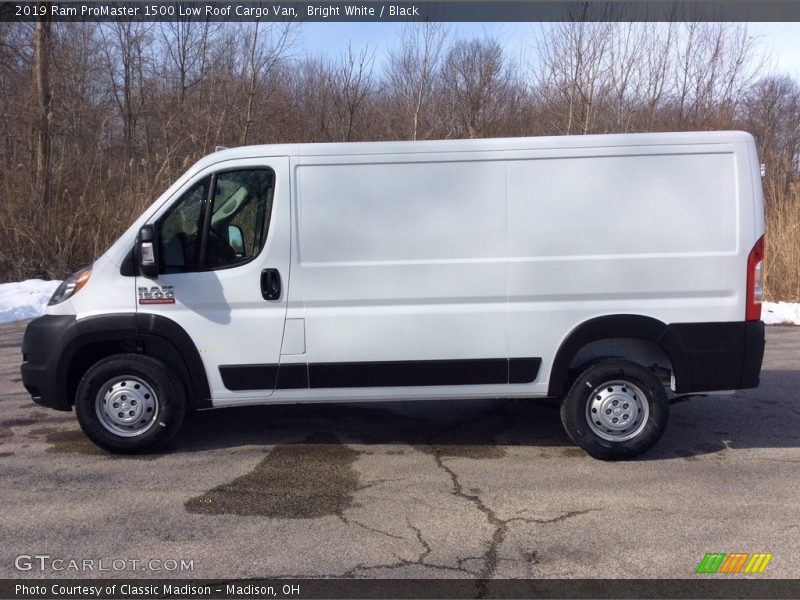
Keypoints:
pixel 25 299
pixel 780 313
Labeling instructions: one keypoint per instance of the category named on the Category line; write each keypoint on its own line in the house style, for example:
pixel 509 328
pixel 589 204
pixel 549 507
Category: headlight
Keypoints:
pixel 70 286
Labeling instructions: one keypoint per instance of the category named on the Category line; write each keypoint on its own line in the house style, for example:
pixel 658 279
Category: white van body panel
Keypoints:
pixel 460 250
pixel 389 278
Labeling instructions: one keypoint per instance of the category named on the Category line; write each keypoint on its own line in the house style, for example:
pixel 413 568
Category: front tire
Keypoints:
pixel 130 403
pixel 615 409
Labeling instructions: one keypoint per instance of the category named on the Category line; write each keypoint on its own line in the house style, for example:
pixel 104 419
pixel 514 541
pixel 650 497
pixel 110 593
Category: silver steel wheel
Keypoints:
pixel 126 406
pixel 617 410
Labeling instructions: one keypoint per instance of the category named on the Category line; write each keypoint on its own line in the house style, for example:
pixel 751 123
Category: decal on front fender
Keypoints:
pixel 156 295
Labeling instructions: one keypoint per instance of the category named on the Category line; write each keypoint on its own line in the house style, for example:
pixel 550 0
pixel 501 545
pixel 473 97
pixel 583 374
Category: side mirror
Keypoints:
pixel 147 252
pixel 236 239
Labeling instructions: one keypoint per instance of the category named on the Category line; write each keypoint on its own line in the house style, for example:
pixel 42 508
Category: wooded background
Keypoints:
pixel 98 119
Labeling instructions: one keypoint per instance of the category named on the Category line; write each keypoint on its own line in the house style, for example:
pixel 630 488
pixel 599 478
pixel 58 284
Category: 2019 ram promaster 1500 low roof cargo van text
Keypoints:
pixel 596 269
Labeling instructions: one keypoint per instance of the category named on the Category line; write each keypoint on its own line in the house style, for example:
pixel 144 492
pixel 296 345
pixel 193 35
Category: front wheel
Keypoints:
pixel 130 403
pixel 615 409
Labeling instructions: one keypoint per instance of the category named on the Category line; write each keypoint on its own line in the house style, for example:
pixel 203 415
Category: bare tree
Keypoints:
pixel 264 47
pixel 312 90
pixel 574 77
pixel 627 76
pixel 476 84
pixel 351 85
pixel 772 114
pixel 412 69
pixel 125 48
pixel 44 99
pixel 187 46
pixel 714 65
pixel 657 59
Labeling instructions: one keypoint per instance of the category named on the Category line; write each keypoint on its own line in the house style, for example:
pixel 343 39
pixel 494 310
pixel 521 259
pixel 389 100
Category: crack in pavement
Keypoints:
pixel 426 546
pixel 404 562
pixel 438 451
pixel 368 528
pixel 559 518
pixel 490 557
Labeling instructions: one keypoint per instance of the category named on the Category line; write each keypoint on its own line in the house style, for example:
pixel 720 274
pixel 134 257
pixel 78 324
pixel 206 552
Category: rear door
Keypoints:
pixel 224 271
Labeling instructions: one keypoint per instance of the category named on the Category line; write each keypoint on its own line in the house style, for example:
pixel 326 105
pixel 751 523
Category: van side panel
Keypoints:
pixel 401 258
pixel 651 231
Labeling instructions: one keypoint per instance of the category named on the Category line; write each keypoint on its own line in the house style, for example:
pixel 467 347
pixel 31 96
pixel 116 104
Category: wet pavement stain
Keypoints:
pixel 45 430
pixel 70 441
pixel 474 452
pixel 18 422
pixel 573 453
pixel 306 480
pixel 565 452
pixel 55 416
pixel 474 440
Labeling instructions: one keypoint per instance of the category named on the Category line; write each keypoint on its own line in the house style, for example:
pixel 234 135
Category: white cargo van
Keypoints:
pixel 597 269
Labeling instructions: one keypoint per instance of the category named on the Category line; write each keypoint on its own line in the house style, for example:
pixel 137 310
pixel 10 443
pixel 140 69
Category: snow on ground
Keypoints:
pixel 781 313
pixel 27 299
pixel 24 299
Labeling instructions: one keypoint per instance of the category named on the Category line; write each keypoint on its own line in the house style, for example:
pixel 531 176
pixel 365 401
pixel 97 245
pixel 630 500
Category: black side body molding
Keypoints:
pixel 249 377
pixel 479 371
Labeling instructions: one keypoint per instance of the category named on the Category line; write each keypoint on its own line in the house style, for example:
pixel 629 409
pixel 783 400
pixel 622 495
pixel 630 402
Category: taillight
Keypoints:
pixel 755 280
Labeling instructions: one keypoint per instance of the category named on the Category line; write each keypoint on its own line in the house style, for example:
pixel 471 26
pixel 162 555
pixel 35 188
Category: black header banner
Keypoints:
pixel 268 589
pixel 403 11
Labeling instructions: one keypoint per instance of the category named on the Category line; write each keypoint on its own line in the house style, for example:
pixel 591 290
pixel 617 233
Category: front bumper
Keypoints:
pixel 42 349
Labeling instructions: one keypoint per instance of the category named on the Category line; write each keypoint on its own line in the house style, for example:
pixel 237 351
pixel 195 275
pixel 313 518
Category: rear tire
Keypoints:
pixel 130 403
pixel 615 409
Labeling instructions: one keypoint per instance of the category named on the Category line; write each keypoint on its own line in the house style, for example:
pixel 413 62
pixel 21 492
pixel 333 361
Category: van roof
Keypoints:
pixel 477 145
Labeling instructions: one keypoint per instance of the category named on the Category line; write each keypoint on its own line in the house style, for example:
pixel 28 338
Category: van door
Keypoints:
pixel 224 273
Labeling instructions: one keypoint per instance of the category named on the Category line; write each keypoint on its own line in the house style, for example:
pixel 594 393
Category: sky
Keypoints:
pixel 779 41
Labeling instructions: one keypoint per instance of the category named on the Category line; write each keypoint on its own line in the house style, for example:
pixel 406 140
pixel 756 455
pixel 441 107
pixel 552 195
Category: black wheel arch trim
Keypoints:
pixel 53 343
pixel 600 328
pixel 705 356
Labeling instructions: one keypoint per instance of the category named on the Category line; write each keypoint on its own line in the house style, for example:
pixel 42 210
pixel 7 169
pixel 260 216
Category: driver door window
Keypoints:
pixel 220 222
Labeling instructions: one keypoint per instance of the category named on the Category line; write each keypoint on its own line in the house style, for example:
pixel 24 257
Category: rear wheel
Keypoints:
pixel 130 403
pixel 615 409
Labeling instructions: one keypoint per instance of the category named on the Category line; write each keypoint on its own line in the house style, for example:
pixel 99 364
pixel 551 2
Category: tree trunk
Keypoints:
pixel 43 97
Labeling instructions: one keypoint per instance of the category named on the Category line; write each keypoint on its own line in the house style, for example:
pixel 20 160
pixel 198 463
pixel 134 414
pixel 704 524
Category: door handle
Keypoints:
pixel 270 284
